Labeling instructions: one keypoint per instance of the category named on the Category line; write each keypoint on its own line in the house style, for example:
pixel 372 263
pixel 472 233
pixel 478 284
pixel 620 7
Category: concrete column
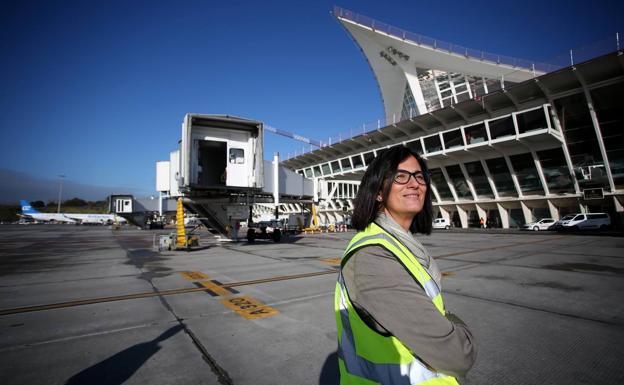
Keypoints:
pixel 482 213
pixel 435 193
pixel 526 212
pixel 276 192
pixel 504 215
pixel 554 211
pixel 618 205
pixel 449 183
pixel 514 177
pixel 540 172
pixel 445 213
pixel 468 181
pixel 596 124
pixel 463 216
pixel 489 178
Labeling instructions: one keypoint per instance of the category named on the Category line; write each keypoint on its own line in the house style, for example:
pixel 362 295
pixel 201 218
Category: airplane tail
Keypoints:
pixel 27 208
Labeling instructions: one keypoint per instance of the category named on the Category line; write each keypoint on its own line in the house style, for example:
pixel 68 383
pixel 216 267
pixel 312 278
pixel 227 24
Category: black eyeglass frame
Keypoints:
pixel 425 175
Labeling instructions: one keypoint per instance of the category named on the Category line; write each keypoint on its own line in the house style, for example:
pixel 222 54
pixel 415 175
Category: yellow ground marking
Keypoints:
pixel 213 287
pixel 331 261
pixel 249 308
pixel 61 305
pixel 193 275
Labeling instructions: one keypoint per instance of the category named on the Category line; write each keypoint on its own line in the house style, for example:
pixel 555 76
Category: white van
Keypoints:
pixel 441 223
pixel 587 222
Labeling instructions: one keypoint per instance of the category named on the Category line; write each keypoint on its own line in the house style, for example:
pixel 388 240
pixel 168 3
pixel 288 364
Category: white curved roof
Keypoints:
pixel 378 41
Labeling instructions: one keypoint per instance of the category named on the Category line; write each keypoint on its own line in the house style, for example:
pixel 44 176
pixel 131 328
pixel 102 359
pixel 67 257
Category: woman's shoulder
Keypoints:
pixel 372 253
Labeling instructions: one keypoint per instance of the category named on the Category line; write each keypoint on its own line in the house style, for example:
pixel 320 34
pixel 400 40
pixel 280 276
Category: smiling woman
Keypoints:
pixel 388 300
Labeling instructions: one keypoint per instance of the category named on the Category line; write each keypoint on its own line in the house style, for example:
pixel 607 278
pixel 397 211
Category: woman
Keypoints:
pixel 392 325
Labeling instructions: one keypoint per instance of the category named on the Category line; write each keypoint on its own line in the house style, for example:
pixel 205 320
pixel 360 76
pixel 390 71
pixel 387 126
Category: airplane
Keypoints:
pixel 29 212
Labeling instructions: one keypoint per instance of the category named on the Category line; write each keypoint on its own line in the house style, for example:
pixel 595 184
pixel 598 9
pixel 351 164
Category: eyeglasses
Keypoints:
pixel 403 177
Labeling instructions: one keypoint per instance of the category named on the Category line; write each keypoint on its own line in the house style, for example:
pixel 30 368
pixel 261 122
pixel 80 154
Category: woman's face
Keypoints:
pixel 406 200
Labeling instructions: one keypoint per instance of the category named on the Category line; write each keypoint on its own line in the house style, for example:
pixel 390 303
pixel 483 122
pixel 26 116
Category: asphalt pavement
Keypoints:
pixel 91 305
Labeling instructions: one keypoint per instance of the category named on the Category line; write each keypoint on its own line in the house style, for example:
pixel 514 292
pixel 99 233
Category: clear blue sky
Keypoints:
pixel 97 90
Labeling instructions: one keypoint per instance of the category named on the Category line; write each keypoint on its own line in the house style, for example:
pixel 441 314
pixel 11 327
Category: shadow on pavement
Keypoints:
pixel 330 374
pixel 118 368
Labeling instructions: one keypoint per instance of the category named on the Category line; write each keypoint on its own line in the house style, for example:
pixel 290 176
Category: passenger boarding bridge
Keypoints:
pixel 219 173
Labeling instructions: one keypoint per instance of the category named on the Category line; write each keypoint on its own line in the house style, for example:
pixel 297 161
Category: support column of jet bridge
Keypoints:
pixel 276 191
pixel 180 230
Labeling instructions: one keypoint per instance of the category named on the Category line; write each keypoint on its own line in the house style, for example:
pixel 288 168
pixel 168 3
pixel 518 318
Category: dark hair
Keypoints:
pixel 378 178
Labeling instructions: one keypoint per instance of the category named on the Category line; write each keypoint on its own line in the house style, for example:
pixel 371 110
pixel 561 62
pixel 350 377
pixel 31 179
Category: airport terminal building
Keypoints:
pixel 507 140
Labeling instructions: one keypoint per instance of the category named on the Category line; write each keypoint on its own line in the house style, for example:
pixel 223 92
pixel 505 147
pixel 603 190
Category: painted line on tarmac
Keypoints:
pixel 61 305
pixel 495 248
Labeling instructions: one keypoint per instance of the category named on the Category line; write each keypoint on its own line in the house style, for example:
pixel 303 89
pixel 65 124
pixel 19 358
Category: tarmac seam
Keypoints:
pixel 222 375
pixel 618 324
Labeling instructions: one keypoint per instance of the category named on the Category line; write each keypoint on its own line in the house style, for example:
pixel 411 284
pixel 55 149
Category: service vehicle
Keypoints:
pixel 588 221
pixel 442 223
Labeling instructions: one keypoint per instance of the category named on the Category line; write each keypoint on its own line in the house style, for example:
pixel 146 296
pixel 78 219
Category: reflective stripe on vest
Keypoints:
pixel 367 357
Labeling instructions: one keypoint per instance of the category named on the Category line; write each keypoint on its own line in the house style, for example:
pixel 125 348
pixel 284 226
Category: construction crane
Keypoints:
pixel 292 136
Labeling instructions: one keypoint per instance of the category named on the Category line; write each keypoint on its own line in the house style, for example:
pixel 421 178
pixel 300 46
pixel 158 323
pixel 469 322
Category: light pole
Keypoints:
pixel 60 192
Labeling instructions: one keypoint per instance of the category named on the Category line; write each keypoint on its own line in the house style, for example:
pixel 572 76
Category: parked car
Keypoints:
pixel 441 223
pixel 542 224
pixel 589 221
pixel 558 225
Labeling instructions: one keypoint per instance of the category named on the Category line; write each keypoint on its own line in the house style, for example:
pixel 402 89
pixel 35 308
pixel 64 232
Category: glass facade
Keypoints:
pixel 437 178
pixel 609 105
pixel 357 161
pixel 368 157
pixel 409 104
pixel 528 178
pixel 415 146
pixel 501 127
pixel 479 179
pixel 502 177
pixel 475 133
pixel 346 164
pixel 433 144
pixel 459 182
pixel 531 120
pixel 335 166
pixel 556 171
pixel 577 127
pixel 452 139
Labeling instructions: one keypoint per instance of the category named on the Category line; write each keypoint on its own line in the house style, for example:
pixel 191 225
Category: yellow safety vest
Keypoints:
pixel 366 357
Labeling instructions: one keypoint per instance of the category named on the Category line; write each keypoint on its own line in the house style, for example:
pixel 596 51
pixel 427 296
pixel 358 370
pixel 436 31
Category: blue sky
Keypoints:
pixel 97 90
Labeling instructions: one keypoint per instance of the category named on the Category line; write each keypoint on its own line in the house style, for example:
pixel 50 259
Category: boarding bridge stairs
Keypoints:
pixel 214 220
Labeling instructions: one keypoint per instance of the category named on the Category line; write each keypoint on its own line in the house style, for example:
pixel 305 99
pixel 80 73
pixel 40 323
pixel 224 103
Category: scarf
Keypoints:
pixel 409 240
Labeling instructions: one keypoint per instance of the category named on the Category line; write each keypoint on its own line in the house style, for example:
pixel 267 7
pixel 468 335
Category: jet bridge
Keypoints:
pixel 220 173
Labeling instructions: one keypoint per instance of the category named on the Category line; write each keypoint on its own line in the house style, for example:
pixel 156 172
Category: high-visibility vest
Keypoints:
pixel 366 357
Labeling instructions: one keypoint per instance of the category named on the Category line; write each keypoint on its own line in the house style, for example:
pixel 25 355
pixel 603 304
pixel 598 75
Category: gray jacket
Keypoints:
pixel 389 300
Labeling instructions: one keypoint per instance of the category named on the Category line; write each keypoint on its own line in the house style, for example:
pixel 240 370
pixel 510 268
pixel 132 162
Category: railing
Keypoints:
pixel 572 57
pixel 436 44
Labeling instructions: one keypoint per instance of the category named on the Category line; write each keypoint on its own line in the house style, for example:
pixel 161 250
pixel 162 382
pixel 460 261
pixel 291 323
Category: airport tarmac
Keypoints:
pixel 90 305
